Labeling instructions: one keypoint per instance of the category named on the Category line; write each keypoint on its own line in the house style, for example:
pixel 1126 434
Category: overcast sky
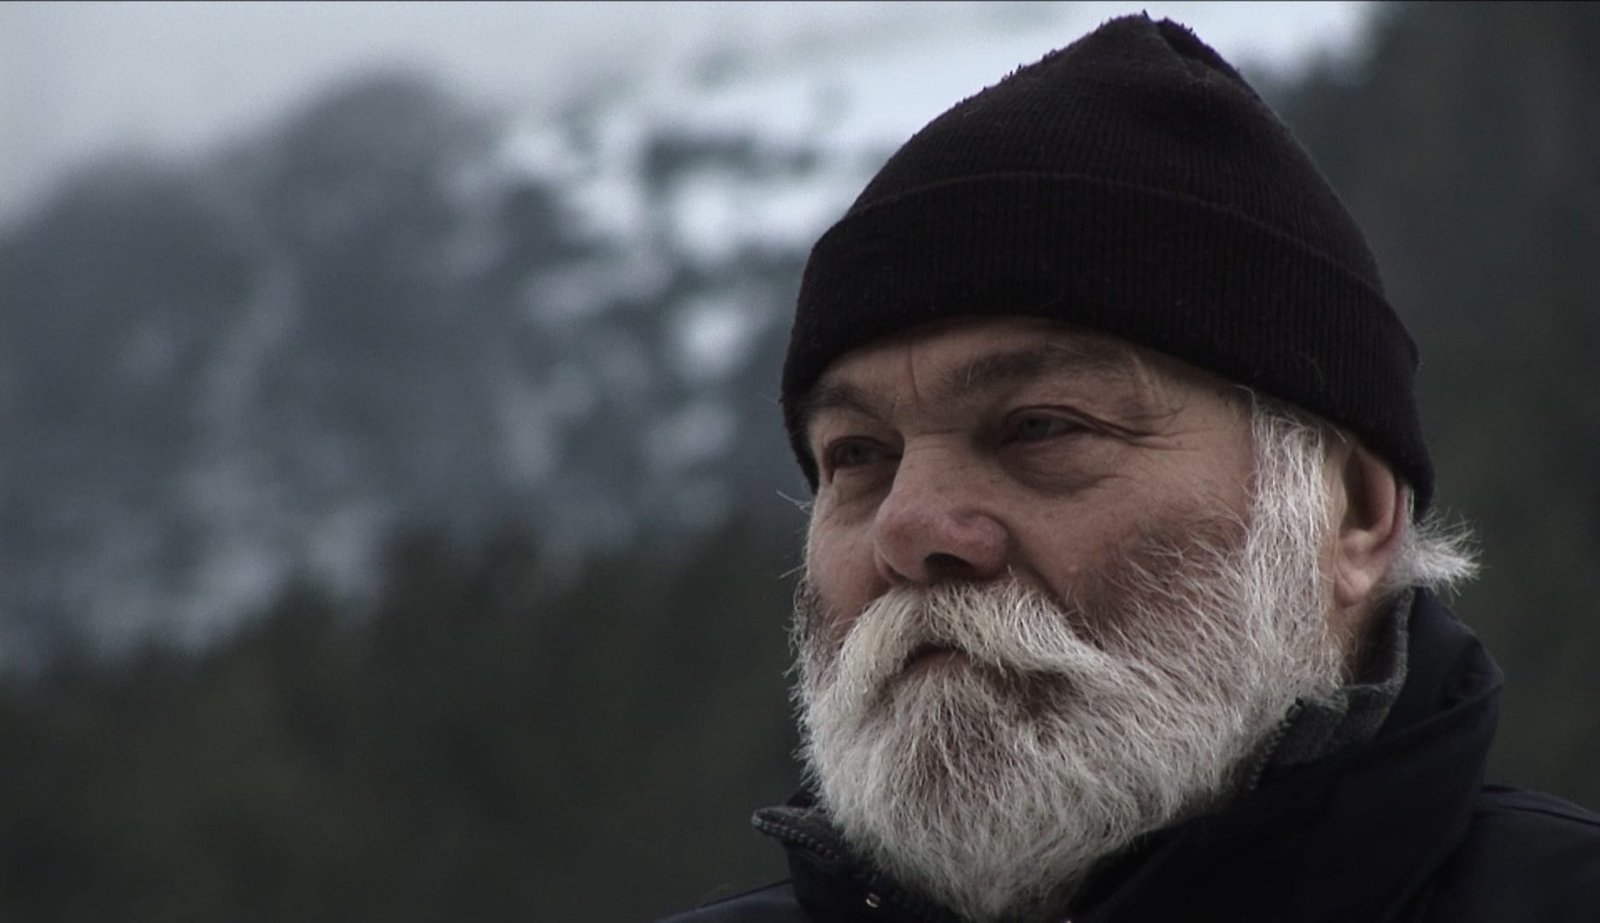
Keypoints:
pixel 77 79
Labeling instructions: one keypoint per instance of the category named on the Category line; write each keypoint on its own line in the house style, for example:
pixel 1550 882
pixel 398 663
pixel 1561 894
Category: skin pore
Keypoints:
pixel 973 449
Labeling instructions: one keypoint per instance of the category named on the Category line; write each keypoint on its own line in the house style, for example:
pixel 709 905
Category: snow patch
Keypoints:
pixel 714 335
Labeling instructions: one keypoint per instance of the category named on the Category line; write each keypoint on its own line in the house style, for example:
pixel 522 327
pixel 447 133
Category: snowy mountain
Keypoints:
pixel 396 308
pixel 390 311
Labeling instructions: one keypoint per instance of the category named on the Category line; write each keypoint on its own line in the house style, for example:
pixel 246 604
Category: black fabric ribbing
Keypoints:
pixel 1131 183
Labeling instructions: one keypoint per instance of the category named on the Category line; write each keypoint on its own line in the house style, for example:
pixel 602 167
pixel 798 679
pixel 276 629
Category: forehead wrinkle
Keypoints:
pixel 839 395
pixel 1086 360
pixel 1013 367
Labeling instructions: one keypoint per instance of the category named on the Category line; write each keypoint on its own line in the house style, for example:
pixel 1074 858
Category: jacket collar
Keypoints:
pixel 1353 836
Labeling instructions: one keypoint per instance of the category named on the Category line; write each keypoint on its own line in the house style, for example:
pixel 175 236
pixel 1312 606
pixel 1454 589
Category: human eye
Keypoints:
pixel 844 454
pixel 1039 425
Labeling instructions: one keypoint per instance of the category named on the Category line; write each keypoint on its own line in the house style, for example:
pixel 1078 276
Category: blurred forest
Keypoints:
pixel 553 687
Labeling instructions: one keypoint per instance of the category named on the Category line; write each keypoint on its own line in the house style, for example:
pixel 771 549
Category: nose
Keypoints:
pixel 938 522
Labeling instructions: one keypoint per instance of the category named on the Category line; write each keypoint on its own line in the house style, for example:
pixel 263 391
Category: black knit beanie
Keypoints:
pixel 1131 183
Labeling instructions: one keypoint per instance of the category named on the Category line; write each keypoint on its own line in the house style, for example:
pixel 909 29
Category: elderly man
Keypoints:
pixel 1119 598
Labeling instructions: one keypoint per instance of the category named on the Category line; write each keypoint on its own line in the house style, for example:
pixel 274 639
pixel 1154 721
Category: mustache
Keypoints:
pixel 1175 564
pixel 1004 626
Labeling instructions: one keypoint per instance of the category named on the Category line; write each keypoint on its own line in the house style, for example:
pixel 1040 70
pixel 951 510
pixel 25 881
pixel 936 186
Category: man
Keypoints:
pixel 1119 599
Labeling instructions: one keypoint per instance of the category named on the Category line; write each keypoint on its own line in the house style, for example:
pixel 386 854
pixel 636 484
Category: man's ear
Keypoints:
pixel 1371 526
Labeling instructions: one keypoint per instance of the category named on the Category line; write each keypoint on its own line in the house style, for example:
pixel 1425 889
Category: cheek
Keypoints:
pixel 1059 548
pixel 839 566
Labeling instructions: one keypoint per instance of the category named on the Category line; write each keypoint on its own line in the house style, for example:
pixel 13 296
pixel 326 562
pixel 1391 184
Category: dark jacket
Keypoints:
pixel 1400 828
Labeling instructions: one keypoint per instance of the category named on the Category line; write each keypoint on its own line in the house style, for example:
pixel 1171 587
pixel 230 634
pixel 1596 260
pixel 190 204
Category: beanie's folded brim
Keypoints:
pixel 1187 278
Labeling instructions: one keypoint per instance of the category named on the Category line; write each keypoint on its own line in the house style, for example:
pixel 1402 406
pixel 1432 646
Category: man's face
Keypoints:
pixel 1017 446
pixel 1057 595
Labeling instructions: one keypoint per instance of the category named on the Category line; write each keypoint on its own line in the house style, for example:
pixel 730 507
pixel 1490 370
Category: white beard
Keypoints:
pixel 993 778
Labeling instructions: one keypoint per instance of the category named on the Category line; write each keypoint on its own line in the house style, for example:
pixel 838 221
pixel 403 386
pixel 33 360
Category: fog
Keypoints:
pixel 82 80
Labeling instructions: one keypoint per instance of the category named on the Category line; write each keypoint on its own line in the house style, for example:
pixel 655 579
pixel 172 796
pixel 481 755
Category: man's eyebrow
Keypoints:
pixel 998 370
pixel 839 396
